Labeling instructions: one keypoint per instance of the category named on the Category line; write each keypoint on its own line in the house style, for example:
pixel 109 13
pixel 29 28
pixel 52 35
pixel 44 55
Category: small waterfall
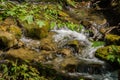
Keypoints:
pixel 89 66
pixel 64 35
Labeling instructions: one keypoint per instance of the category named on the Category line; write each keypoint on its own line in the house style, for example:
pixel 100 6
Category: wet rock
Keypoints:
pixel 93 68
pixel 21 53
pixel 75 46
pixel 65 52
pixel 3 28
pixel 69 64
pixel 15 30
pixel 112 39
pixel 30 43
pixel 79 14
pixel 34 31
pixel 108 53
pixel 9 21
pixel 46 55
pixel 7 40
pixel 63 14
pixel 119 74
pixel 47 44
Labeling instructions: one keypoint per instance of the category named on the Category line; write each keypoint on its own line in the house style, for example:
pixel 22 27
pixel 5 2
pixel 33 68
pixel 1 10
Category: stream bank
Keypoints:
pixel 58 44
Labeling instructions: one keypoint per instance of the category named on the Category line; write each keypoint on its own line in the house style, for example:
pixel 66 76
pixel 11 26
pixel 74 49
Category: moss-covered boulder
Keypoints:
pixel 48 44
pixel 112 39
pixel 7 40
pixel 35 31
pixel 21 53
pixel 9 21
pixel 65 52
pixel 109 53
pixel 75 46
pixel 15 30
pixel 3 28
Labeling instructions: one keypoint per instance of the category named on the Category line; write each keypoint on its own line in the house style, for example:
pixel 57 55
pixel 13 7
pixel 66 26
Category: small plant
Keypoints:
pixel 97 43
pixel 114 56
pixel 69 25
pixel 15 71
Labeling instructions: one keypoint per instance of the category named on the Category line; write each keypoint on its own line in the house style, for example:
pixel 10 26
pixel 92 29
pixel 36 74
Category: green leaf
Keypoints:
pixel 40 23
pixel 23 11
pixel 111 58
pixel 98 43
pixel 114 48
pixel 81 27
pixel 59 7
pixel 118 59
pixel 71 2
pixel 29 19
pixel 22 18
pixel 52 25
pixel 11 13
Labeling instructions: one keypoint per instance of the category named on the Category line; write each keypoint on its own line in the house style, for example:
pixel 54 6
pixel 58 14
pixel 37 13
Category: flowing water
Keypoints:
pixel 88 66
pixel 83 64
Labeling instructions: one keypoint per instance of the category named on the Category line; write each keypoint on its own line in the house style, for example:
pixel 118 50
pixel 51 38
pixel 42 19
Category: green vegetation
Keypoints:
pixel 32 13
pixel 35 21
pixel 114 56
pixel 98 43
pixel 109 53
pixel 14 71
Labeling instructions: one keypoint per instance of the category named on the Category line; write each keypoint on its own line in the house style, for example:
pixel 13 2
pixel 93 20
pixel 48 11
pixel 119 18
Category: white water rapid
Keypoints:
pixel 87 56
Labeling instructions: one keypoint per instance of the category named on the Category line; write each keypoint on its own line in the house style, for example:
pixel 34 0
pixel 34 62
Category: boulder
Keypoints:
pixel 47 44
pixel 15 30
pixel 9 21
pixel 7 40
pixel 21 53
pixel 35 31
pixel 64 52
pixel 75 46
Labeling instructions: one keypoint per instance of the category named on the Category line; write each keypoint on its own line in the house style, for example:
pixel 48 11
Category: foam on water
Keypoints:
pixel 87 55
pixel 66 35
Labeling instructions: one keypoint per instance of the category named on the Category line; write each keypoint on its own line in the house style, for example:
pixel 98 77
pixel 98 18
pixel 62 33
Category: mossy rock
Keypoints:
pixel 15 30
pixel 63 14
pixel 112 39
pixel 7 40
pixel 47 44
pixel 21 53
pixel 104 52
pixel 34 31
pixel 9 21
pixel 76 45
pixel 3 28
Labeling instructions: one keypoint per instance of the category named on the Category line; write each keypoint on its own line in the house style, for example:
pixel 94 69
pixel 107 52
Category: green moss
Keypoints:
pixel 112 39
pixel 7 40
pixel 15 30
pixel 33 30
pixel 108 51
